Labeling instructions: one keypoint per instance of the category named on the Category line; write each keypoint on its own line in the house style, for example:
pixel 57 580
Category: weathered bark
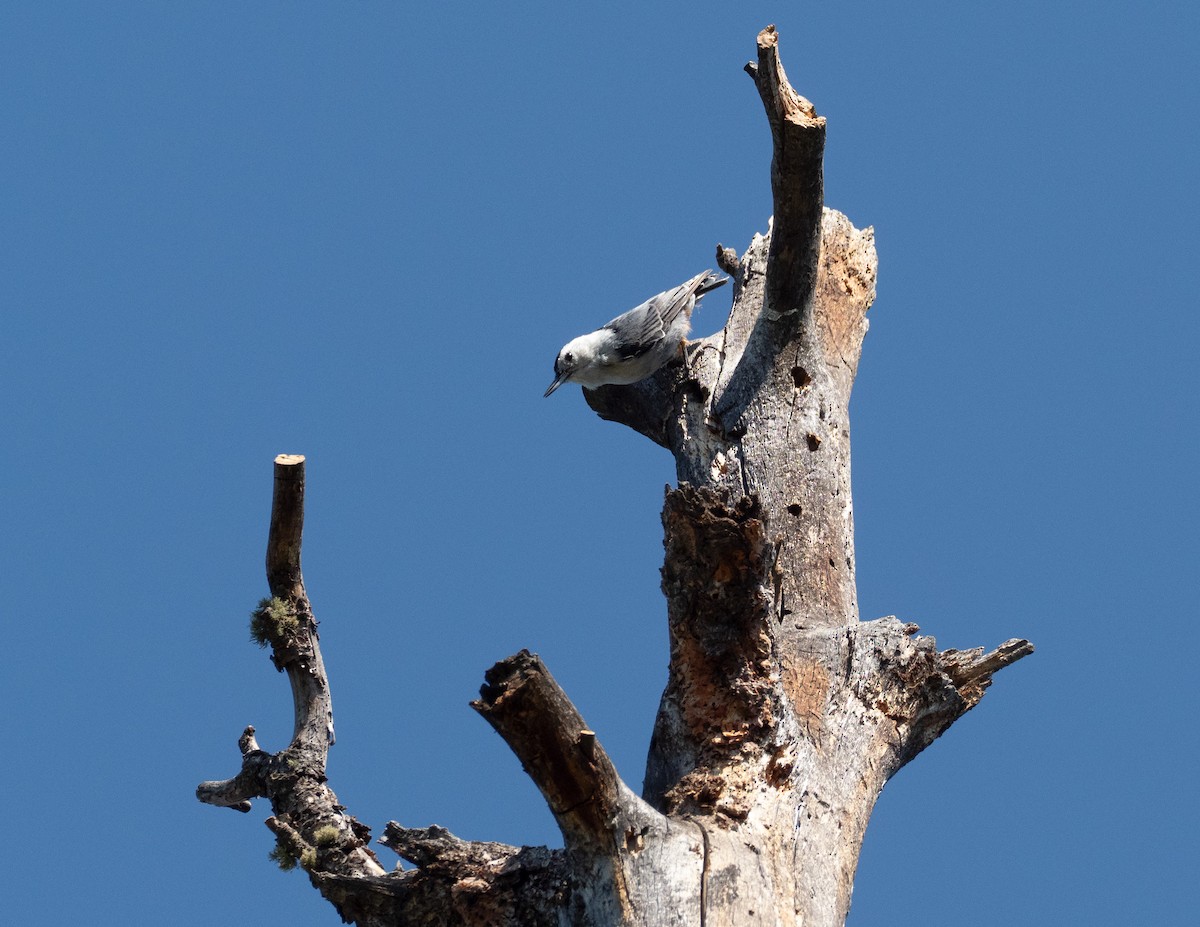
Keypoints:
pixel 783 714
pixel 311 827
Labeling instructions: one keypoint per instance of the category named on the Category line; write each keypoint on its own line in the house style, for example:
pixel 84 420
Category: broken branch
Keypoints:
pixel 525 705
pixel 797 183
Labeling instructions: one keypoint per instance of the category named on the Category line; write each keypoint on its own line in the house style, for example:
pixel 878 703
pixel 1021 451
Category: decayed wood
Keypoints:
pixel 781 738
pixel 783 714
pixel 469 882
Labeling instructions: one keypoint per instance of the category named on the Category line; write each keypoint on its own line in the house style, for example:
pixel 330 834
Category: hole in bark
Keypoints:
pixel 794 510
pixel 801 377
pixel 813 442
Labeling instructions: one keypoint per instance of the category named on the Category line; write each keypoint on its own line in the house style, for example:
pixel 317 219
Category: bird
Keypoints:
pixel 636 343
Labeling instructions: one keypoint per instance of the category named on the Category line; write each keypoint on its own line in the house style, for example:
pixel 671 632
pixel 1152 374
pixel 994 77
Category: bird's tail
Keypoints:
pixel 709 281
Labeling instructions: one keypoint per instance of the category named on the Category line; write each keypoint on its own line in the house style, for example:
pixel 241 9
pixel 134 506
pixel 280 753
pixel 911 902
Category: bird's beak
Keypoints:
pixel 558 381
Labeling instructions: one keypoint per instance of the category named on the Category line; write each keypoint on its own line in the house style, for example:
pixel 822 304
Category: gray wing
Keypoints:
pixel 641 328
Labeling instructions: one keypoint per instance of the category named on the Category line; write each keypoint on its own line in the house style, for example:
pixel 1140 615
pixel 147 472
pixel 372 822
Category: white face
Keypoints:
pixel 566 363
pixel 584 360
pixel 574 355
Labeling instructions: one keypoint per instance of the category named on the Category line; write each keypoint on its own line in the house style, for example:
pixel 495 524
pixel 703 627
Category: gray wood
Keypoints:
pixel 784 714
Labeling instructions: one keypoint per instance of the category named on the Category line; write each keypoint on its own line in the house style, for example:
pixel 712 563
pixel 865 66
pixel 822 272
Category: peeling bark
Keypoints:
pixel 783 716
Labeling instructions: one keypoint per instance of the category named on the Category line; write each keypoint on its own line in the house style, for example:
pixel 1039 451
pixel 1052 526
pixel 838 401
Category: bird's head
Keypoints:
pixel 574 356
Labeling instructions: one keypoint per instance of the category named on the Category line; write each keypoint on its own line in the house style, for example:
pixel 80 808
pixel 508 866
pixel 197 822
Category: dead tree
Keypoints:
pixel 783 715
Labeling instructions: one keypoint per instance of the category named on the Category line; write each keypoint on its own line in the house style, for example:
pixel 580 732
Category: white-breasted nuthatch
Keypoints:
pixel 636 343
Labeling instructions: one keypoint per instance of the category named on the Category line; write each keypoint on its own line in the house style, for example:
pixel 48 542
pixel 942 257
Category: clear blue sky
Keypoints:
pixel 361 231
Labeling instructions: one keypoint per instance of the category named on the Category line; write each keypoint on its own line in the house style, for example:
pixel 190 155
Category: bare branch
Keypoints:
pixel 972 670
pixel 527 888
pixel 460 883
pixel 307 813
pixel 287 526
pixel 291 842
pixel 433 845
pixel 525 705
pixel 232 793
pixel 727 260
pixel 797 183
pixel 295 648
pixel 236 793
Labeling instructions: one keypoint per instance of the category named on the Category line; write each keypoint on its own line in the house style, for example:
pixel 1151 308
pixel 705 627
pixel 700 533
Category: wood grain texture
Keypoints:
pixel 783 715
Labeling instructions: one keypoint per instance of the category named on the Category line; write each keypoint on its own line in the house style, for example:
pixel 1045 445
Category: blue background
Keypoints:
pixel 361 231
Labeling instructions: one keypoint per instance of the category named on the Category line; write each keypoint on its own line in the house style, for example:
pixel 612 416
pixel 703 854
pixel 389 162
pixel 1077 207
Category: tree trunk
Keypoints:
pixel 783 715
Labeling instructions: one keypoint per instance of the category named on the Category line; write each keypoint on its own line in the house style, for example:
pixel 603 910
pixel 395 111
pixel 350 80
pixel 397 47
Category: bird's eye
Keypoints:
pixel 569 357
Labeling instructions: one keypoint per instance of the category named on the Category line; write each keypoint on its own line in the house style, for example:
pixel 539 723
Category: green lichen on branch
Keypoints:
pixel 291 851
pixel 282 857
pixel 326 836
pixel 272 621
